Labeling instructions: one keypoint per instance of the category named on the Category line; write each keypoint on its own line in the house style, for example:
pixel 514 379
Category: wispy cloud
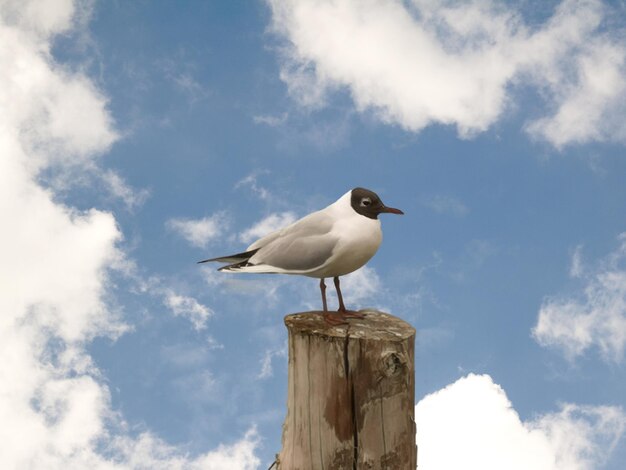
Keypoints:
pixel 180 71
pixel 200 232
pixel 474 417
pixel 132 198
pixel 459 63
pixel 445 204
pixel 271 120
pixel 576 268
pixel 267 225
pixel 191 87
pixel 475 254
pixel 595 317
pixel 362 285
pixel 266 362
pixel 326 134
pixel 251 181
pixel 189 308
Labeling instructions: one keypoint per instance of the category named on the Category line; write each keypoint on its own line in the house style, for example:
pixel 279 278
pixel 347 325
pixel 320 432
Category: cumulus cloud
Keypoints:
pixel 58 265
pixel 148 453
pixel 269 224
pixel 199 232
pixel 458 63
pixel 474 417
pixel 596 317
pixel 61 115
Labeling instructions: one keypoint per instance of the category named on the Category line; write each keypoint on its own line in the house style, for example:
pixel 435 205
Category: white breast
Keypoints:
pixel 358 240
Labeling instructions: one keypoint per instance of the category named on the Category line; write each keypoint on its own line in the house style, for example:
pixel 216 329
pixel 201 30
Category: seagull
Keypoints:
pixel 331 242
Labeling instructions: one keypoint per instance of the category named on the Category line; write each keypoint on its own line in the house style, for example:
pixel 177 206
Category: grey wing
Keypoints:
pixel 317 223
pixel 297 253
pixel 264 240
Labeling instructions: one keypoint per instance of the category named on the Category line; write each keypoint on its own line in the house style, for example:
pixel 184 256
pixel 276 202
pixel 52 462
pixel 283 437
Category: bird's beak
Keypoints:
pixel 391 210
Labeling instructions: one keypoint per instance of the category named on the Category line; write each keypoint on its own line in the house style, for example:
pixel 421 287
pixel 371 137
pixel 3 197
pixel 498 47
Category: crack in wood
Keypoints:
pixel 382 419
pixel 351 394
pixel 308 378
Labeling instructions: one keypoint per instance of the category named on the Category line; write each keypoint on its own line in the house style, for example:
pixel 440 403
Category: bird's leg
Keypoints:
pixel 342 308
pixel 323 289
pixel 330 318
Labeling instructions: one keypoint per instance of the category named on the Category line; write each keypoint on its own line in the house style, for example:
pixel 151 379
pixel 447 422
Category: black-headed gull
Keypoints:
pixel 331 242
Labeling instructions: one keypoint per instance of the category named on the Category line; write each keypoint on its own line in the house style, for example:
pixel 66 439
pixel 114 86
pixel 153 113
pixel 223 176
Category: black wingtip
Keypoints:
pixel 237 258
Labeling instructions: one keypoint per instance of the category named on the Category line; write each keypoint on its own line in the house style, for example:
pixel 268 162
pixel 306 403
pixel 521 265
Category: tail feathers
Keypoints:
pixel 235 266
pixel 239 258
pixel 246 267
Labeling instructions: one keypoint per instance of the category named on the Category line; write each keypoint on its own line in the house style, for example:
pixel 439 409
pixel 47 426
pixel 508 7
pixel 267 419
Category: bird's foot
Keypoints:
pixel 341 317
pixel 334 319
pixel 350 314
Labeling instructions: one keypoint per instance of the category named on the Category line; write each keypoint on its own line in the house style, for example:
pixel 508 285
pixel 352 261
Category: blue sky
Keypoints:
pixel 140 137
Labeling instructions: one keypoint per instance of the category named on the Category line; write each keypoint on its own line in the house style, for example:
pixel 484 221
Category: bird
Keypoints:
pixel 331 242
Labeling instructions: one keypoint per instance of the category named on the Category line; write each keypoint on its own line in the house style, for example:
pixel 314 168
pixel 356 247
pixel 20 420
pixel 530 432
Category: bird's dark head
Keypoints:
pixel 368 204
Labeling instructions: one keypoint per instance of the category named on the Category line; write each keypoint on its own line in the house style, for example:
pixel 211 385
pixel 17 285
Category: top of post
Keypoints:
pixel 375 326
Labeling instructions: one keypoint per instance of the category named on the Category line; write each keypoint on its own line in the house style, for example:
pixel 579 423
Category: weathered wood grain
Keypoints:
pixel 351 396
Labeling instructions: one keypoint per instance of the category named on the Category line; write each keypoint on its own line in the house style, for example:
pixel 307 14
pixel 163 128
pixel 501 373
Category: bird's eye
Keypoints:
pixel 366 201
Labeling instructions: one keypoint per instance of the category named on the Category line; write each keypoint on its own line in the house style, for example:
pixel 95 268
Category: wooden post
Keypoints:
pixel 351 400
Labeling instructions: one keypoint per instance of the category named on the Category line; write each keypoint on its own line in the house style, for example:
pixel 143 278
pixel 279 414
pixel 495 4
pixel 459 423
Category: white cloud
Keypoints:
pixel 200 232
pixel 116 185
pixel 576 268
pixel 445 204
pixel 62 117
pixel 582 74
pixel 458 63
pixel 582 436
pixel 271 223
pixel 266 362
pixel 148 453
pixel 190 86
pixel 42 18
pixel 360 286
pixel 474 417
pixel 595 318
pixel 270 120
pixel 251 181
pixel 57 267
pixel 181 72
pixel 189 308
